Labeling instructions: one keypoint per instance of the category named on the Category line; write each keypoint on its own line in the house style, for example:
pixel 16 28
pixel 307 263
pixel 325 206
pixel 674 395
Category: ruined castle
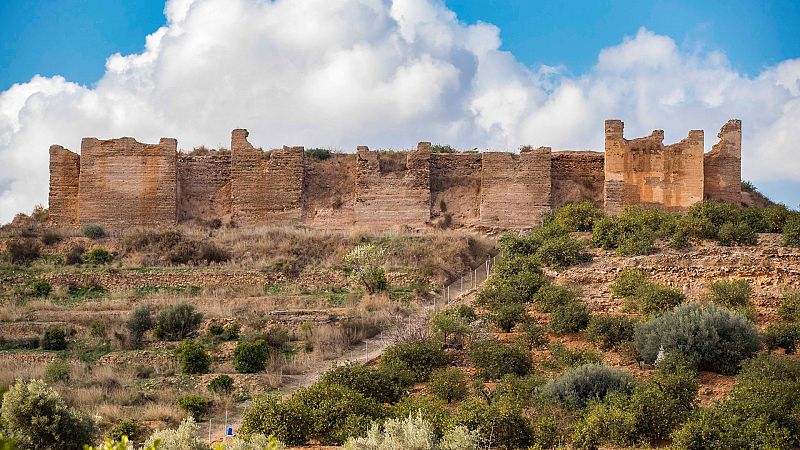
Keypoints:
pixel 122 183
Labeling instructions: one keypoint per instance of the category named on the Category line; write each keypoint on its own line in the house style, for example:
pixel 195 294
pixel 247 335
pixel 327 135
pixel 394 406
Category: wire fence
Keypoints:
pixel 469 281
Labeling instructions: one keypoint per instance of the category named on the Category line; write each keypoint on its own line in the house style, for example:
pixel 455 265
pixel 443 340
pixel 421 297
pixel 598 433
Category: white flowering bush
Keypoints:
pixel 366 263
pixel 184 438
pixel 412 433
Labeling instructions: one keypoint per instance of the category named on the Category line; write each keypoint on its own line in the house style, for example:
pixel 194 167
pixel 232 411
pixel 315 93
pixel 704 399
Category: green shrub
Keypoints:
pixel 420 357
pixel 40 288
pixel 231 331
pixel 782 335
pixel 57 370
pixel 291 422
pixel 98 255
pixel 177 322
pixel 561 252
pixel 579 216
pixel 515 279
pixel 571 357
pixel 506 316
pixel 449 384
pixel 789 308
pixel 22 251
pixel 627 282
pixel 730 293
pixel 139 322
pixel 221 385
pixel 679 240
pixel 713 337
pixel 791 231
pixel 385 383
pixel 532 335
pixel 494 359
pixel 551 296
pixel 652 298
pixel 93 231
pixel 714 427
pixel 54 339
pixel 452 325
pixel 577 386
pixel 215 329
pixel 337 413
pixel 196 406
pixel 640 242
pixel 192 357
pixel 433 410
pixel 36 417
pixel 570 318
pixel 731 234
pixel 318 154
pixel 652 410
pixel 125 427
pixel 501 423
pixel 250 357
pixel 74 255
pixel 610 331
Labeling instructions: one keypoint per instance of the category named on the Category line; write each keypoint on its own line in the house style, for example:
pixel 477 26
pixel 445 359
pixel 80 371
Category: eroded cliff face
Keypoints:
pixel 120 183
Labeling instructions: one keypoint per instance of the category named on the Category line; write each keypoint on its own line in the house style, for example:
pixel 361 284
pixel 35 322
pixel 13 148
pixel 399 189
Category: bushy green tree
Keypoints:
pixel 139 322
pixel 570 317
pixel 93 231
pixel 494 359
pixel 196 406
pixel 221 385
pixel 192 357
pixel 791 231
pixel 35 416
pixel 501 423
pixel 609 332
pixel 250 357
pixel 385 383
pixel 449 384
pixel 506 316
pixel 98 255
pixel 578 216
pixel 177 322
pixel 551 296
pixel 54 339
pixel 419 357
pixel 789 308
pixel 433 409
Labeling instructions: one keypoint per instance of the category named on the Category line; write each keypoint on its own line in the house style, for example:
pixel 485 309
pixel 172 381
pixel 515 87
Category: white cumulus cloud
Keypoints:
pixel 384 74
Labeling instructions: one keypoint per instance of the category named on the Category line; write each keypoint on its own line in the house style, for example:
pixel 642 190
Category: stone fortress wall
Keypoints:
pixel 121 183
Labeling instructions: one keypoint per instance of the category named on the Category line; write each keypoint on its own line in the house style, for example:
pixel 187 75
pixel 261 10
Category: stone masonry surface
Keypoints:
pixel 120 183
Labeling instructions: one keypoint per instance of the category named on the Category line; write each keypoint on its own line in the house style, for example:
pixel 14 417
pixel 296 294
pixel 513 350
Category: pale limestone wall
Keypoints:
pixel 723 165
pixel 266 187
pixel 456 181
pixel 65 170
pixel 643 171
pixel 125 183
pixel 385 199
pixel 577 176
pixel 515 188
pixel 204 187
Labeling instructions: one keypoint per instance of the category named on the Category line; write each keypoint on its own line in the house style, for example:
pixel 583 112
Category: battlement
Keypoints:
pixel 121 182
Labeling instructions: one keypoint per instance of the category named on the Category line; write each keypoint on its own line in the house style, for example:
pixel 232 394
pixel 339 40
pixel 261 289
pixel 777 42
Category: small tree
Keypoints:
pixel 98 255
pixel 791 231
pixel 196 406
pixel 54 339
pixel 193 358
pixel 250 357
pixel 570 318
pixel 448 384
pixel 507 315
pixel 730 293
pixel 366 263
pixel 139 322
pixel 421 357
pixel 221 385
pixel 36 417
pixel 178 321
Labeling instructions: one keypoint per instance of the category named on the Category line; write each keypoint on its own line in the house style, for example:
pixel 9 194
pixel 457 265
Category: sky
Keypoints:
pixel 488 74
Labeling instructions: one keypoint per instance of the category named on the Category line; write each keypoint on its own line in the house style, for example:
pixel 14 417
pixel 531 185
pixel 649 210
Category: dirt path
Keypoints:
pixel 363 353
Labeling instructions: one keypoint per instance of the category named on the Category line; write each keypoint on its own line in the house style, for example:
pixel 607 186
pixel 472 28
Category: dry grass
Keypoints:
pixel 13 370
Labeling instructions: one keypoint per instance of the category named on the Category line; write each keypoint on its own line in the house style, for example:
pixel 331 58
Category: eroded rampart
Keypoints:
pixel 120 183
